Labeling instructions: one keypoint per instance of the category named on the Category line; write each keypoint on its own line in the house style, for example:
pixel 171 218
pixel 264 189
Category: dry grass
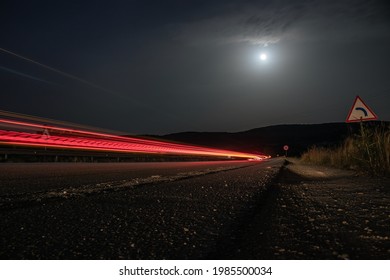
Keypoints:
pixel 367 151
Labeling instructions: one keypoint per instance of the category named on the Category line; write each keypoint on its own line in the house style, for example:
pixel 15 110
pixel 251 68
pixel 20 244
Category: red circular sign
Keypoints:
pixel 285 147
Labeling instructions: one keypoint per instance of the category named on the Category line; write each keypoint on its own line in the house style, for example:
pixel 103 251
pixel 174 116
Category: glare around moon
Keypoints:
pixel 263 56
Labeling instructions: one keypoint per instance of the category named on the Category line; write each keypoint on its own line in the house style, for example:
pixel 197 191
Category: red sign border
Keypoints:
pixel 359 120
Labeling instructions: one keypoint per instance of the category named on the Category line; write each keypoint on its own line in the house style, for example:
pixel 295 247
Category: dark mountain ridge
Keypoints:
pixel 271 139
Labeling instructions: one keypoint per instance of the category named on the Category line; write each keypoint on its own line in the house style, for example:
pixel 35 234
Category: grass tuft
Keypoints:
pixel 367 151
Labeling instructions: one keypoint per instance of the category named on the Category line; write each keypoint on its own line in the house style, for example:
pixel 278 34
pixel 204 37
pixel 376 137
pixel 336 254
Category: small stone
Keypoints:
pixel 343 256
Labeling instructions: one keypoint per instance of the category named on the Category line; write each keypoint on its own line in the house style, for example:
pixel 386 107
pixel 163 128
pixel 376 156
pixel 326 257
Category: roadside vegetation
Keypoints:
pixel 368 151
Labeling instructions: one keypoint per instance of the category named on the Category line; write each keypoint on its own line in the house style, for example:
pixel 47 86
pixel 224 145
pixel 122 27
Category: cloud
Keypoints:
pixel 279 20
pixel 260 28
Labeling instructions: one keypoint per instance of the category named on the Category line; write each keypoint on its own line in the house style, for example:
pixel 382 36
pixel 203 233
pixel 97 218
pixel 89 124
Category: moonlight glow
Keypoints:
pixel 263 56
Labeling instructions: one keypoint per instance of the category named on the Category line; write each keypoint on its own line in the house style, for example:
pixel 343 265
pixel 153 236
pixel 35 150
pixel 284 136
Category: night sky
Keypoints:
pixel 157 67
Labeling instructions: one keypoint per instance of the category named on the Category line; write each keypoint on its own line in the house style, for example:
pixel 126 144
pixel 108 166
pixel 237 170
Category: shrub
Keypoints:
pixel 368 151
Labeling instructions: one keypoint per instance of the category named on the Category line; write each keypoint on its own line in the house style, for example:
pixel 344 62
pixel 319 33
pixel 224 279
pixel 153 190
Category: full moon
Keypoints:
pixel 263 56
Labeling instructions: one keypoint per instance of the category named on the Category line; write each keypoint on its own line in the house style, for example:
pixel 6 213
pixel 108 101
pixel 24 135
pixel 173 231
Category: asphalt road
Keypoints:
pixel 20 178
pixel 126 211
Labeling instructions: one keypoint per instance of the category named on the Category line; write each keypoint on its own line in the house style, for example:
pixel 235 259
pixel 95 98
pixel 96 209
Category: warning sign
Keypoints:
pixel 360 112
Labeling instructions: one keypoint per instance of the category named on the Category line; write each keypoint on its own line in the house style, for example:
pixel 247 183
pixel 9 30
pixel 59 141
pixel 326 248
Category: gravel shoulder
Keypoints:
pixel 316 212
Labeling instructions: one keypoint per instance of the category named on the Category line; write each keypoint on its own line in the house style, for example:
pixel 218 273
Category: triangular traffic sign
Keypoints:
pixel 360 112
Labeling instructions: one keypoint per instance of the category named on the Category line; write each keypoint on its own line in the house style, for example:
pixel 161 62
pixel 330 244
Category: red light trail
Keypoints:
pixel 23 133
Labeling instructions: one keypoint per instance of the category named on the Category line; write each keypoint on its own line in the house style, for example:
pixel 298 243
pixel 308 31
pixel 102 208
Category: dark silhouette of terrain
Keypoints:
pixel 266 140
pixel 271 139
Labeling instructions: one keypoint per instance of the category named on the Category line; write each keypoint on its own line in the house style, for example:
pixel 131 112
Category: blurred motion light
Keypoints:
pixel 25 133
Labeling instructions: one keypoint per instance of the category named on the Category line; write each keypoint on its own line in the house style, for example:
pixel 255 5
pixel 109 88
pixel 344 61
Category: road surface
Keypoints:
pixel 127 211
pixel 19 178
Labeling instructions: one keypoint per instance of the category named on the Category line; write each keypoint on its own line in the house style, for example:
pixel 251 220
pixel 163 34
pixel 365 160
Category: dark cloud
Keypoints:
pixel 288 20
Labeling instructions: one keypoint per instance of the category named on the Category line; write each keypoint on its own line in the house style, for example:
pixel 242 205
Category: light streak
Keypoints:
pixel 70 76
pixel 134 101
pixel 24 75
pixel 35 119
pixel 23 133
pixel 58 71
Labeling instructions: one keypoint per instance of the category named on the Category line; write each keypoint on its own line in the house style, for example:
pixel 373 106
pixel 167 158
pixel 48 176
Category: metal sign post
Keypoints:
pixel 285 148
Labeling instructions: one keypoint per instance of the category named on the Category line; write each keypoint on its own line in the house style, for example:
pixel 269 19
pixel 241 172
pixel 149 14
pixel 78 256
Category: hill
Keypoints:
pixel 271 139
